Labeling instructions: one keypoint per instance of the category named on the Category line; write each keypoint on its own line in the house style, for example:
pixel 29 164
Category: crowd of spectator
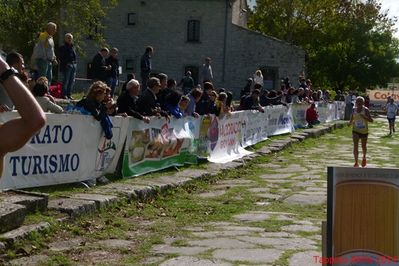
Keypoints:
pixel 156 95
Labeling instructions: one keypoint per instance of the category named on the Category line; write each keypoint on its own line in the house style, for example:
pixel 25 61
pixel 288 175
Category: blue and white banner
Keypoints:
pixel 63 151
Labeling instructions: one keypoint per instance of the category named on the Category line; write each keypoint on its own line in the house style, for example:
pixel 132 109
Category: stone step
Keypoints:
pixel 31 200
pixel 11 216
pixel 15 205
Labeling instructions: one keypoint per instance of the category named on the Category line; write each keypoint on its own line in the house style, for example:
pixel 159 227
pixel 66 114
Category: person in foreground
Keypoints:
pixel 16 132
pixel 359 119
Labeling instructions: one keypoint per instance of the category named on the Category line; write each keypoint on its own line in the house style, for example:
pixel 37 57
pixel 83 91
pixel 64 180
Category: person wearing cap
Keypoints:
pixel 127 102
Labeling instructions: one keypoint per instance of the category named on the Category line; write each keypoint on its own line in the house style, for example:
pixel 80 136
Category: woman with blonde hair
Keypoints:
pixel 93 104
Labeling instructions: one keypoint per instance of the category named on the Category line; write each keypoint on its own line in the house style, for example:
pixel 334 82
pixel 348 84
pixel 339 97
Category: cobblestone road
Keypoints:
pixel 277 231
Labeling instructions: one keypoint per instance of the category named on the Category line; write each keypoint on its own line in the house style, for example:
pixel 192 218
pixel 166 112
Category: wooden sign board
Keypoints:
pixel 362 216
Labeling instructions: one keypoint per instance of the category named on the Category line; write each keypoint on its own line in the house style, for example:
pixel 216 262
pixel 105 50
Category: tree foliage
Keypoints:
pixel 349 43
pixel 22 20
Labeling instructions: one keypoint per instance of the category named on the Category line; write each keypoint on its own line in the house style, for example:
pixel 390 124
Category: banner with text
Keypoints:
pixel 225 137
pixel 159 145
pixel 62 152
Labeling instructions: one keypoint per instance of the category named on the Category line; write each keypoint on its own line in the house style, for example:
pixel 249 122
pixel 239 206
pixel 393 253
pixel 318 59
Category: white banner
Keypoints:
pixel 279 120
pixel 225 138
pixel 64 151
pixel 327 111
pixel 299 115
pixel 254 127
pixel 109 150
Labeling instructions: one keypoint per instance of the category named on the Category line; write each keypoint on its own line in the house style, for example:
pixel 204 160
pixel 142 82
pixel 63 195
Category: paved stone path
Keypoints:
pixel 295 181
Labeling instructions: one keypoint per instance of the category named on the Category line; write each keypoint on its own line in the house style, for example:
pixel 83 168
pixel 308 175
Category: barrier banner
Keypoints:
pixel 109 150
pixel 327 111
pixel 159 145
pixel 340 113
pixel 299 115
pixel 279 120
pixel 378 98
pixel 254 127
pixel 225 137
pixel 362 216
pixel 62 152
pixel 202 142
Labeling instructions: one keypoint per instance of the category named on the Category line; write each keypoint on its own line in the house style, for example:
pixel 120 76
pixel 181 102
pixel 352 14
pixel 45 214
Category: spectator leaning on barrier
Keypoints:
pixel 163 94
pixel 47 104
pixel 146 66
pixel 43 53
pixel 172 104
pixel 184 101
pixel 164 90
pixel 129 77
pixel 93 104
pixel 312 116
pixel 202 106
pixel 127 102
pixel 67 57
pixel 251 102
pixel 194 96
pixel 99 66
pixel 212 104
pixel 147 103
pixel 16 132
pixel 110 104
pixel 221 108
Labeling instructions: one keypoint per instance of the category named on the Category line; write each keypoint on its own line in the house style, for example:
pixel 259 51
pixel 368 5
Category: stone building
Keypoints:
pixel 184 32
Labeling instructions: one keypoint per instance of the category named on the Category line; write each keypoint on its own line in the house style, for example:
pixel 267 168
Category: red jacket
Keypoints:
pixel 311 114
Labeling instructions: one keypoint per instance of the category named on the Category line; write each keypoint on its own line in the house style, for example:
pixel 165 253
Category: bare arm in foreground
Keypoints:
pixel 16 132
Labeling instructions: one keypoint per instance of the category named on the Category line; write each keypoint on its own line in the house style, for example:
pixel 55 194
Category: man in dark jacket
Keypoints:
pixel 146 66
pixel 113 72
pixel 147 103
pixel 251 102
pixel 99 67
pixel 67 58
pixel 127 102
pixel 203 106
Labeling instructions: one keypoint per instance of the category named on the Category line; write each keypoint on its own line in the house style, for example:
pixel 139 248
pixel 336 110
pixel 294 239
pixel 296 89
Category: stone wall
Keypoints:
pixel 235 51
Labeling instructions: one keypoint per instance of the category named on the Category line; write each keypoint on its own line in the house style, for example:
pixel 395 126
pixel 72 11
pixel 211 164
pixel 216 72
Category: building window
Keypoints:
pixel 129 64
pixel 131 19
pixel 193 31
pixel 194 72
